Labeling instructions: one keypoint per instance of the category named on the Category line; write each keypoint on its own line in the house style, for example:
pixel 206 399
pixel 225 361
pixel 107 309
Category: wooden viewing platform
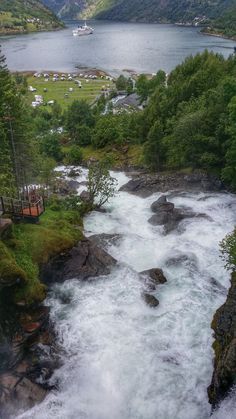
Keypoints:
pixel 21 209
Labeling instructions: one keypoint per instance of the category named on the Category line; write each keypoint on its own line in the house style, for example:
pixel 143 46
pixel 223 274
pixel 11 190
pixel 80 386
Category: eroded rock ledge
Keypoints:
pixel 82 261
pixel 28 349
pixel 224 326
pixel 145 185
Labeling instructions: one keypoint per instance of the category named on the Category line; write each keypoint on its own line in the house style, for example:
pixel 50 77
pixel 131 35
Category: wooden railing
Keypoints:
pixel 17 207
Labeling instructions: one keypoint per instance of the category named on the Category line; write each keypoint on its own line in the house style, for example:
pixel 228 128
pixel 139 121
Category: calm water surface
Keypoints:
pixel 113 47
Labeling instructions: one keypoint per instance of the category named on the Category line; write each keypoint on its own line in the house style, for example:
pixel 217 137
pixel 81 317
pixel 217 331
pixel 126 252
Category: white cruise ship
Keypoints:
pixel 83 30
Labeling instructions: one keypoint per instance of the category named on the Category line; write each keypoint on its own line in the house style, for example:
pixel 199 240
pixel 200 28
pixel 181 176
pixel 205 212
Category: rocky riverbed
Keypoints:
pixel 132 306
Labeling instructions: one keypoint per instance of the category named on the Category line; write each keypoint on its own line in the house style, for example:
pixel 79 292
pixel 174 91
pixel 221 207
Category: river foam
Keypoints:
pixel 122 359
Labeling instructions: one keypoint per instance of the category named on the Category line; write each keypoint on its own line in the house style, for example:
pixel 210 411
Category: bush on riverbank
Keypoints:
pixel 228 249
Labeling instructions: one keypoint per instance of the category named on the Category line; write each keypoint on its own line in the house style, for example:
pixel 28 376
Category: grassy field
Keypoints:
pixel 56 90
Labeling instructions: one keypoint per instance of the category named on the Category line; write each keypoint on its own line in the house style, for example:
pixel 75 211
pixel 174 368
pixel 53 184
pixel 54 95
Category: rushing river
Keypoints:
pixel 123 359
pixel 113 47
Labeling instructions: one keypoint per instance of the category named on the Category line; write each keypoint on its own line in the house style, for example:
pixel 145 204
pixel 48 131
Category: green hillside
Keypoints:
pixel 76 9
pixel 17 16
pixel 145 10
pixel 218 15
pixel 169 10
pixel 225 25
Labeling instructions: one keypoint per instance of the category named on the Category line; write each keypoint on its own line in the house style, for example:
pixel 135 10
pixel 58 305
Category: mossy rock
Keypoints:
pixel 33 293
pixel 11 273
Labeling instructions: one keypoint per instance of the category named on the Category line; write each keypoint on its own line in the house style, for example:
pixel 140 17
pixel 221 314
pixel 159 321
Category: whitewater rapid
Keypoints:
pixel 121 358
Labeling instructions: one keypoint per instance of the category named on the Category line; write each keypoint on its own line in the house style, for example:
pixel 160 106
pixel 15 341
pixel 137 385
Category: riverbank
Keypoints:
pixel 29 352
pixel 224 326
pixel 217 34
pixel 17 31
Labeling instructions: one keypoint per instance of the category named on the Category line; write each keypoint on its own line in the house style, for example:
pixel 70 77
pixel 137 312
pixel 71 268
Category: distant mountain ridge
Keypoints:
pixel 26 16
pixel 165 10
pixel 140 10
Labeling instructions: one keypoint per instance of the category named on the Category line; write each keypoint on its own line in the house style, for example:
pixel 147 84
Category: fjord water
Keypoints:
pixel 113 47
pixel 121 358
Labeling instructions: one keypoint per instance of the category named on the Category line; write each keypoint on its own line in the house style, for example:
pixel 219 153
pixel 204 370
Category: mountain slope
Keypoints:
pixel 225 25
pixel 165 10
pixel 72 9
pixel 137 10
pixel 17 16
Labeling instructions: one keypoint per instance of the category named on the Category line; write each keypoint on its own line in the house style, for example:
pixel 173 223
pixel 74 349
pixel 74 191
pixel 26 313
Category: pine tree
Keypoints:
pixel 17 155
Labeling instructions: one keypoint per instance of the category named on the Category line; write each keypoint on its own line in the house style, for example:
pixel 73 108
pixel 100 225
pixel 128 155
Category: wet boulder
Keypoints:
pixel 105 240
pixel 162 205
pixel 150 300
pixel 156 275
pixel 224 326
pixel 167 215
pixel 132 185
pixel 87 260
pixel 74 172
pixel 145 184
pixel 83 261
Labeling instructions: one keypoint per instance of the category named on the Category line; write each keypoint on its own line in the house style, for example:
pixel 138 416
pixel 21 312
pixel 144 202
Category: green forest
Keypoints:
pixel 225 24
pixel 188 123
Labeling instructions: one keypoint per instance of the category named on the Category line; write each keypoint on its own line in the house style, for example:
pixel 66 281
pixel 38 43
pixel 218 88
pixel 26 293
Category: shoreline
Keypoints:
pixel 13 32
pixel 218 35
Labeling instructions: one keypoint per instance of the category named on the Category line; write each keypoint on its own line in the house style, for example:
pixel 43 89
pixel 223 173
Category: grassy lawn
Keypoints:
pixel 56 91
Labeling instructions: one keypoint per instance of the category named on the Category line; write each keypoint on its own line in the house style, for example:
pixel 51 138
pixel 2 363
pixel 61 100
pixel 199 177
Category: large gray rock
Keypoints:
pixel 167 215
pixel 88 260
pixel 156 275
pixel 224 326
pixel 150 300
pixel 104 240
pixel 83 261
pixel 145 185
pixel 162 205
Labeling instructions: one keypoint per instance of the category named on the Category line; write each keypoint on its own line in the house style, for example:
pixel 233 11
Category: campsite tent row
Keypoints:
pixel 70 76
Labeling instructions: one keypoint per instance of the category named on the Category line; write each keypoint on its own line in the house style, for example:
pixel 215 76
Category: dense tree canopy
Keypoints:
pixel 190 122
pixel 16 151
